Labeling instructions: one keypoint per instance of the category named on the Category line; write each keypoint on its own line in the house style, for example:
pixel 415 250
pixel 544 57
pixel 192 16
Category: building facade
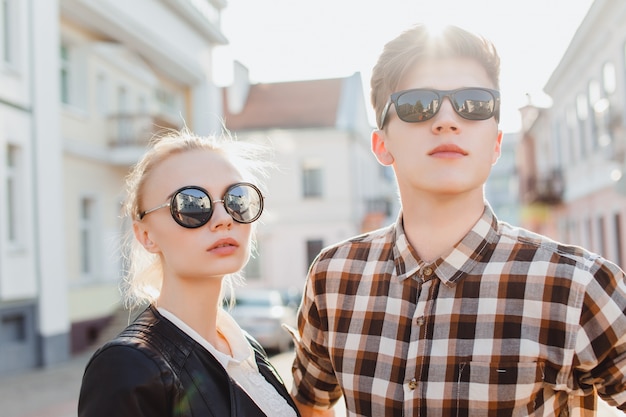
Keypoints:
pixel 84 85
pixel 572 156
pixel 501 189
pixel 328 185
pixel 33 299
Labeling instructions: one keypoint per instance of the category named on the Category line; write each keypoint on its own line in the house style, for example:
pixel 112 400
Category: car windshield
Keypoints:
pixel 260 299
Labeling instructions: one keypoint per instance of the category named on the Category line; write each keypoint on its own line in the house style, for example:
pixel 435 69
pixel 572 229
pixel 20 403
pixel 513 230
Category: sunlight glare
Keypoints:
pixel 436 27
pixel 616 174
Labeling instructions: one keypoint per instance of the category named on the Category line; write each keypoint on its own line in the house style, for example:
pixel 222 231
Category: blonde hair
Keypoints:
pixel 143 275
pixel 416 43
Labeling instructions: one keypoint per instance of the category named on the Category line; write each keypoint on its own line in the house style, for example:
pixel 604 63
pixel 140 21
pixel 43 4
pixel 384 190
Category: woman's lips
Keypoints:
pixel 224 247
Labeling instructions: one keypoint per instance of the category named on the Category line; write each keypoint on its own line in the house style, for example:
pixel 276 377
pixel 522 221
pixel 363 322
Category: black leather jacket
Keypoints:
pixel 155 369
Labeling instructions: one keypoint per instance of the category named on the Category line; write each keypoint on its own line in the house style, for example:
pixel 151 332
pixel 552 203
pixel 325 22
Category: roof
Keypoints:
pixel 298 104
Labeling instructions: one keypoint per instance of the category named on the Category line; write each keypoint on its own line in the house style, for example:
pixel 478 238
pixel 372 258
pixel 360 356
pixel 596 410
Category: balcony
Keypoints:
pixel 129 134
pixel 547 189
pixel 135 130
pixel 205 15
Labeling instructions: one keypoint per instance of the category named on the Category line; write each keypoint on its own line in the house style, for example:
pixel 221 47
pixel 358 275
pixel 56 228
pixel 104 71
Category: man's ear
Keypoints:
pixel 498 148
pixel 143 236
pixel 379 147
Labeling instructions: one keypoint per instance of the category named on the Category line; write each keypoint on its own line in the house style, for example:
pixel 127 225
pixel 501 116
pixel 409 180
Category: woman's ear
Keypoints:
pixel 143 236
pixel 379 147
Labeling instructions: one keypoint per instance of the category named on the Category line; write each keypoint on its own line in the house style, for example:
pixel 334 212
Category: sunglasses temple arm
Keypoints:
pixel 142 215
pixel 383 114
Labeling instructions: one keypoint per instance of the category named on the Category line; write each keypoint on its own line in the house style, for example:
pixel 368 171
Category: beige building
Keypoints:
pixel 572 157
pixel 83 86
pixel 328 185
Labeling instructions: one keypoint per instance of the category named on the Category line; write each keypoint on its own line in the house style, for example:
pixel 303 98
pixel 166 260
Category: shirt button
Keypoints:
pixel 428 271
pixel 419 321
pixel 413 384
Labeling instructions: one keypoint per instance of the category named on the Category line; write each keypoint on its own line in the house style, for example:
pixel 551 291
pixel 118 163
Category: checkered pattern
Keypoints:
pixel 508 324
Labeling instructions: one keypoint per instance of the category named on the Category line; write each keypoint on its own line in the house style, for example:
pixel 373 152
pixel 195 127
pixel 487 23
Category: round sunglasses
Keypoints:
pixel 421 104
pixel 192 206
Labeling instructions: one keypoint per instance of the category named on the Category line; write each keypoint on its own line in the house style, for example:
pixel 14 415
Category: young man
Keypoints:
pixel 448 312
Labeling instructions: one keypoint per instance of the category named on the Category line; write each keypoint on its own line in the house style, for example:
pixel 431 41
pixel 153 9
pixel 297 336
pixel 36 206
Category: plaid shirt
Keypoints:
pixel 509 323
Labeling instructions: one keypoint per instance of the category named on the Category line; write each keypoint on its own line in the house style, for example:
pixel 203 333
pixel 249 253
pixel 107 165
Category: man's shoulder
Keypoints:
pixel 546 247
pixel 378 239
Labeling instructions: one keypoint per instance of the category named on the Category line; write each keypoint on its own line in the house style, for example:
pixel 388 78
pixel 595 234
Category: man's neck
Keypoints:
pixel 434 225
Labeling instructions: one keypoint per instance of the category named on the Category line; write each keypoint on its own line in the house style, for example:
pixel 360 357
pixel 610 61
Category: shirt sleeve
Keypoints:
pixel 601 342
pixel 122 381
pixel 314 380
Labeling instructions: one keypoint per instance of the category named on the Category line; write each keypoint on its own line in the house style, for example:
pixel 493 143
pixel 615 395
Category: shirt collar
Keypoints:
pixel 461 258
pixel 228 327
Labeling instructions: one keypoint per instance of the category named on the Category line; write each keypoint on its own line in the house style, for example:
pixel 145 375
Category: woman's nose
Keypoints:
pixel 220 217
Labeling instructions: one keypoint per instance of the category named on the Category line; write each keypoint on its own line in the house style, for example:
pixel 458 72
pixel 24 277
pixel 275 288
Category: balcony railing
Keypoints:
pixel 548 188
pixel 131 130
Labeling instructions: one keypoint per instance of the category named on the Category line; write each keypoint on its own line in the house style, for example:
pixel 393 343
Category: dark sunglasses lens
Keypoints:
pixel 191 207
pixel 417 105
pixel 244 203
pixel 473 104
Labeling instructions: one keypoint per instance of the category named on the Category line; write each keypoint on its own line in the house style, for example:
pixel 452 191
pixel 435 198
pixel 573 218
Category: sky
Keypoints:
pixel 291 40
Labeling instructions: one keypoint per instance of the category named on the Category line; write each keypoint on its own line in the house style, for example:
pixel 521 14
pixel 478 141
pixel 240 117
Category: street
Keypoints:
pixel 53 392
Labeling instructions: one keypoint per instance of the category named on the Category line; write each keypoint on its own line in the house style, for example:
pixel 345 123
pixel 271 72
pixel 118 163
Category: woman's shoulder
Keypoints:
pixel 125 376
pixel 144 343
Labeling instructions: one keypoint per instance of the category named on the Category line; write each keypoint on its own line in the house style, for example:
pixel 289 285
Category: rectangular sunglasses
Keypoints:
pixel 421 104
pixel 193 206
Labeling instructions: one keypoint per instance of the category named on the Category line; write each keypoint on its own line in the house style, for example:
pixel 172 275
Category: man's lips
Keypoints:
pixel 448 149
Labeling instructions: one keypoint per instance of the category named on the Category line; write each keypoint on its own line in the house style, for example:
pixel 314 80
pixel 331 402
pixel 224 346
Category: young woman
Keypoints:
pixel 192 201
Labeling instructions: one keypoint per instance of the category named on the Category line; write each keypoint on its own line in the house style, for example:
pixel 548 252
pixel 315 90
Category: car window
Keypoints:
pixel 259 299
pixel 252 302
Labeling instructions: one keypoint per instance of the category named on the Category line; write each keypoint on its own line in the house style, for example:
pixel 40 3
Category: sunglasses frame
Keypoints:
pixel 441 94
pixel 171 204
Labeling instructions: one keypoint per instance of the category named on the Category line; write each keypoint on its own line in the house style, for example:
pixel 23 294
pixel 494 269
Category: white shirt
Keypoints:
pixel 242 366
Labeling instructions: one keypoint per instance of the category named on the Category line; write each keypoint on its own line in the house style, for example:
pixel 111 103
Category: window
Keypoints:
pixel 601 236
pixel 588 233
pixel 168 102
pixel 65 74
pixel 13 328
pixel 594 98
pixel 313 248
pixel 13 157
pixel 574 144
pixel 582 112
pixel 609 78
pixel 142 105
pixel 103 95
pixel 311 180
pixel 125 122
pixel 594 92
pixel 557 143
pixel 617 220
pixel 624 65
pixel 74 77
pixel 573 232
pixel 87 232
pixel 6 32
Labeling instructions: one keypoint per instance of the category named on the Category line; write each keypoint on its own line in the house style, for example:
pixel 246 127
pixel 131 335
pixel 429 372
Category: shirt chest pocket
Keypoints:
pixel 500 389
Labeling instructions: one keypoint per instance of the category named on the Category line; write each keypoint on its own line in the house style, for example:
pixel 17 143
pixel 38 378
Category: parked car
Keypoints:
pixel 262 313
